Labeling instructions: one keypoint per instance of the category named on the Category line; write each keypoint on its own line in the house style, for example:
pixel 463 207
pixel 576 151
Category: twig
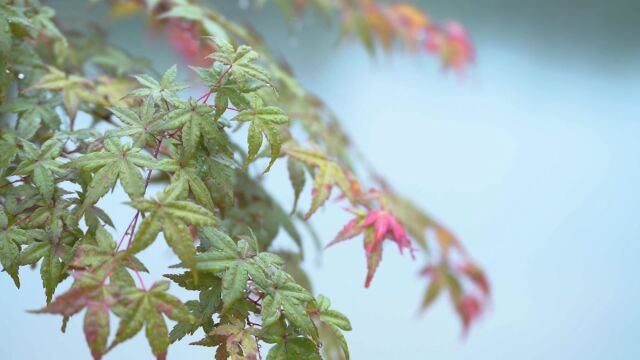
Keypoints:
pixel 217 83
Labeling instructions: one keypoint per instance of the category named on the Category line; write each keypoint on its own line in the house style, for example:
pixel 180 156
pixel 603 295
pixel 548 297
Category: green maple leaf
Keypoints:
pixel 227 90
pixel 164 90
pixel 294 349
pixel 262 213
pixel 265 120
pixel 11 239
pixel 288 345
pixel 331 323
pixel 237 261
pixel 32 112
pixel 203 309
pixel 190 179
pixel 185 10
pixel 298 179
pixel 16 15
pixel 286 297
pixel 8 149
pixel 220 177
pixel 51 270
pixel 137 308
pixel 327 174
pixel 144 126
pixel 240 62
pixel 74 89
pixel 117 161
pixel 97 254
pixel 41 166
pixel 171 216
pixel 197 121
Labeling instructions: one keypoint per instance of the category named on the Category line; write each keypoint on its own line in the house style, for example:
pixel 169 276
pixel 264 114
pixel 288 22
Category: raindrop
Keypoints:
pixel 21 76
pixel 243 4
pixel 7 71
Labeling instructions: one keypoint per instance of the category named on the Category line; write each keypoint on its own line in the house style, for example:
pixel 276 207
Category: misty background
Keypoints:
pixel 532 160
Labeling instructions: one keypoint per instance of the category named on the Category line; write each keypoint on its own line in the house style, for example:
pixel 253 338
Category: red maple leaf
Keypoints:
pixel 452 43
pixel 470 309
pixel 185 38
pixel 376 225
pixel 468 301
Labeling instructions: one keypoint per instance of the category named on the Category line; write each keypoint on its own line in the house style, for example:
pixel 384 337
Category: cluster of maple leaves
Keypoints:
pixel 367 20
pixel 213 213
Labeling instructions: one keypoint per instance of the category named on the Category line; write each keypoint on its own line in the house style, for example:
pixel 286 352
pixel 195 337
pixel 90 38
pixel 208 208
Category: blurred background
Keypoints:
pixel 531 159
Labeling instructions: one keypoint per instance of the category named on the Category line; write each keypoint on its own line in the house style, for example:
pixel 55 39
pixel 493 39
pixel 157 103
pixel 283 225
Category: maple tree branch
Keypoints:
pixel 22 219
pixel 132 225
pixel 226 108
pixel 22 178
pixel 217 83
pixel 258 347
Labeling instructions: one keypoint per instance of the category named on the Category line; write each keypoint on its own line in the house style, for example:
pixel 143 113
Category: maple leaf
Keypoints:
pixel 288 345
pixel 117 161
pixel 286 297
pixel 410 22
pixel 377 225
pixel 183 9
pixel 188 178
pixel 12 237
pixel 143 126
pixel 257 209
pixel 264 120
pixel 32 112
pixel 469 304
pixel 41 165
pixel 74 88
pixel 327 174
pixel 87 293
pixel 237 261
pixel 297 178
pixel 113 92
pixel 197 121
pixel 8 149
pixel 452 44
pixel 228 91
pixel 137 308
pixel 97 254
pixel 469 309
pixel 171 216
pixel 164 90
pixel 477 276
pixel 240 62
pixel 220 177
pixel 330 323
pixel 239 341
pixel 209 287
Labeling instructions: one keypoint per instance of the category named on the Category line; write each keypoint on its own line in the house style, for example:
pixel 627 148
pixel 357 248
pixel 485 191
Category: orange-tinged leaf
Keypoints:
pixel 373 258
pixel 96 328
pixel 327 174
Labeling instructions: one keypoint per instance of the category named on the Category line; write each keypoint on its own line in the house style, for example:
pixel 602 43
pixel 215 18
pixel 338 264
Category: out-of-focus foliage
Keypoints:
pixel 213 212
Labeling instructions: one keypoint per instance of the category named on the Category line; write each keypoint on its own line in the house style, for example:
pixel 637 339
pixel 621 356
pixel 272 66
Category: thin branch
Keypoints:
pixel 204 98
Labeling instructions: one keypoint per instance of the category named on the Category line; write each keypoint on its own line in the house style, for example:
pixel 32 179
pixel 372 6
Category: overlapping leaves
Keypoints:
pixel 116 161
pixel 172 217
pixel 327 173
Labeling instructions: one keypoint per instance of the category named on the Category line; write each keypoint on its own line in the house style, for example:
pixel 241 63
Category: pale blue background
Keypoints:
pixel 532 160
